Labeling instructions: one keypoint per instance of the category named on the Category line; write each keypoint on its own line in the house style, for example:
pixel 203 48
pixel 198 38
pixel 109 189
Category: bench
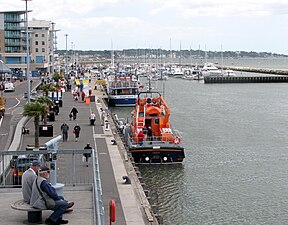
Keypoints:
pixel 34 215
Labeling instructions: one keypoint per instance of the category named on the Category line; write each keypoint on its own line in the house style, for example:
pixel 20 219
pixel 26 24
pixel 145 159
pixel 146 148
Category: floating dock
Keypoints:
pixel 245 79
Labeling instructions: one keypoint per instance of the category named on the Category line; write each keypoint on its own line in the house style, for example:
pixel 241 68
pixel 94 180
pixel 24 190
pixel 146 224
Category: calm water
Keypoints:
pixel 235 139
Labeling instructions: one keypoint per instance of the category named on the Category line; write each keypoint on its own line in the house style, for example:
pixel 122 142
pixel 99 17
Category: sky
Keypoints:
pixel 212 25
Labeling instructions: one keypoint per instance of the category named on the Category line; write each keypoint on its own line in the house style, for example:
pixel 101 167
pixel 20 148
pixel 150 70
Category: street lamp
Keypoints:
pixel 66 35
pixel 27 54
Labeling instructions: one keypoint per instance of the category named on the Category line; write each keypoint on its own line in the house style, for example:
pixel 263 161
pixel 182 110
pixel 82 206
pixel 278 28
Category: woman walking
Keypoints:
pixel 76 132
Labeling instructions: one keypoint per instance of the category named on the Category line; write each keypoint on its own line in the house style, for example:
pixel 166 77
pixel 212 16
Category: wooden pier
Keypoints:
pixel 245 79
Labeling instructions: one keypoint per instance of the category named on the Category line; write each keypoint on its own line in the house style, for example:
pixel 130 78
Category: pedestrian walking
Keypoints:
pixel 64 128
pixel 56 108
pixel 76 131
pixel 86 156
pixel 76 96
pixel 103 114
pixel 92 118
pixel 74 112
pixel 83 96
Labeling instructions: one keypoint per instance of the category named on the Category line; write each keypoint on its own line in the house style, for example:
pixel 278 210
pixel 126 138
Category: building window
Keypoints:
pixel 36 42
pixel 43 42
pixel 43 49
pixel 43 35
pixel 36 49
pixel 36 35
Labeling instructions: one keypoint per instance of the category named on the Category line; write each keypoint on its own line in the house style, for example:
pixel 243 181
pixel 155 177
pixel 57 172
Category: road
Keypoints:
pixel 13 111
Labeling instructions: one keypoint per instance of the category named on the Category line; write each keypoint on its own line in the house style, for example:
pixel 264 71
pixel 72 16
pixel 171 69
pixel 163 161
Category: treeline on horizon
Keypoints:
pixel 141 53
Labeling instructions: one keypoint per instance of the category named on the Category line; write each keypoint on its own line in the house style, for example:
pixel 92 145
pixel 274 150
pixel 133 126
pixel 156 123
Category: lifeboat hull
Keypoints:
pixel 157 155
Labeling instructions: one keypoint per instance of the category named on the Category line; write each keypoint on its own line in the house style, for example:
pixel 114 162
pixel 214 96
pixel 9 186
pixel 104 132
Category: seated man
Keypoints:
pixel 28 178
pixel 42 194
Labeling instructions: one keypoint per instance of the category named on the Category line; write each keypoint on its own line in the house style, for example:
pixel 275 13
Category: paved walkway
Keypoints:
pixel 111 165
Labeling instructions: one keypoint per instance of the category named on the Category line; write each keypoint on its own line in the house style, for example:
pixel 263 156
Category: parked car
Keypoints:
pixel 9 87
pixel 19 165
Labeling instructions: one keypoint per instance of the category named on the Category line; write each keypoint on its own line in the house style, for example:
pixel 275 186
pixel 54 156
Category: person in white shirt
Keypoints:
pixel 92 118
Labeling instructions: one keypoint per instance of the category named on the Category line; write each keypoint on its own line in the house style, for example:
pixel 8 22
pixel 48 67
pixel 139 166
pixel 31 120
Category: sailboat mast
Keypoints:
pixel 221 59
pixel 180 55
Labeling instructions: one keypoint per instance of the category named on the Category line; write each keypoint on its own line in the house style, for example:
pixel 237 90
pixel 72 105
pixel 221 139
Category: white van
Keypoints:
pixel 9 87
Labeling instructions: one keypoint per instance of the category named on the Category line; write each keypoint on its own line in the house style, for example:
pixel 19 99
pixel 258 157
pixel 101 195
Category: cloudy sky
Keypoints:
pixel 237 25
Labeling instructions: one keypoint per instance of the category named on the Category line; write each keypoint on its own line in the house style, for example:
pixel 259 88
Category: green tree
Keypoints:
pixel 57 76
pixel 46 88
pixel 35 109
pixel 46 102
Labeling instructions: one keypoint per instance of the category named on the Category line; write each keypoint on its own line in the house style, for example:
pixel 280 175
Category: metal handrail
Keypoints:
pixel 97 191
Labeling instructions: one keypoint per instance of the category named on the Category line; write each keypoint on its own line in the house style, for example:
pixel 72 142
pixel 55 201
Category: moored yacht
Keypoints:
pixel 209 69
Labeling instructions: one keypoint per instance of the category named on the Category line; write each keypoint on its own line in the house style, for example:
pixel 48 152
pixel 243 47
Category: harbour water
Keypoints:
pixel 235 139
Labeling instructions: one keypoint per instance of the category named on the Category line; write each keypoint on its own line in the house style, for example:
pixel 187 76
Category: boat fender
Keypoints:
pixel 177 140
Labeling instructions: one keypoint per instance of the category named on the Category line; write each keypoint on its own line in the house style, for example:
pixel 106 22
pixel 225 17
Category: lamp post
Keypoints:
pixel 72 55
pixel 53 42
pixel 66 35
pixel 27 54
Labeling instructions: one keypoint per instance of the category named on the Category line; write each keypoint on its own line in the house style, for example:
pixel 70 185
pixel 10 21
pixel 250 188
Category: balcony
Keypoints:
pixel 13 20
pixel 17 36
pixel 13 27
pixel 12 44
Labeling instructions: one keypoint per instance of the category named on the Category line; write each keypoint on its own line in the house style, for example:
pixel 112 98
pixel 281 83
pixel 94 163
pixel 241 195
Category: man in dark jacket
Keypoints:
pixel 87 155
pixel 74 112
pixel 64 128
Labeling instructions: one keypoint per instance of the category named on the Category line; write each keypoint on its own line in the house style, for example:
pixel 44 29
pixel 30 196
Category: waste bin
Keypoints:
pixel 87 100
pixel 92 98
pixel 51 116
pixel 45 130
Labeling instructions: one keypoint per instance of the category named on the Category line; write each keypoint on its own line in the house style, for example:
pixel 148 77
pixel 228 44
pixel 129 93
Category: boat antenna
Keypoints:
pixel 149 86
pixel 163 89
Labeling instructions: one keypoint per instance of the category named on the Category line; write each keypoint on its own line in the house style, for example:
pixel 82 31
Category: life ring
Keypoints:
pixel 177 140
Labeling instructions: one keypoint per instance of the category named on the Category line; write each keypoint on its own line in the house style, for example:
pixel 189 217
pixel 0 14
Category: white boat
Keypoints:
pixel 177 72
pixel 122 90
pixel 209 69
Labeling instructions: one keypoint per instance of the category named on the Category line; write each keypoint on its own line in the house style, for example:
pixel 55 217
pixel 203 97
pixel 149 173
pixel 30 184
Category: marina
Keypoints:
pixel 182 108
pixel 236 154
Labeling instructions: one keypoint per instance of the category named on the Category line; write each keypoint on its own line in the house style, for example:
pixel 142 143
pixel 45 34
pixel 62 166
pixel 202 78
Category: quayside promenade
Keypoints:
pixel 132 206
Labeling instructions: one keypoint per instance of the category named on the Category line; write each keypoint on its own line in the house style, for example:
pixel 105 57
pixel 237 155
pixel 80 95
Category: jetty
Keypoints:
pixel 245 79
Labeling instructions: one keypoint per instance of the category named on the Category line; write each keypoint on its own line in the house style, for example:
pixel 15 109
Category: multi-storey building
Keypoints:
pixel 12 39
pixel 13 42
pixel 40 45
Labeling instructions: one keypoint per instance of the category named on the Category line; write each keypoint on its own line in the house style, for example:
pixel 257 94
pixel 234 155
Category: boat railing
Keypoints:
pixel 153 141
pixel 122 84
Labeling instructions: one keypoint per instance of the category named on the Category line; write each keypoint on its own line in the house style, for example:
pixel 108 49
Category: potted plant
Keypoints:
pixel 46 88
pixel 57 76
